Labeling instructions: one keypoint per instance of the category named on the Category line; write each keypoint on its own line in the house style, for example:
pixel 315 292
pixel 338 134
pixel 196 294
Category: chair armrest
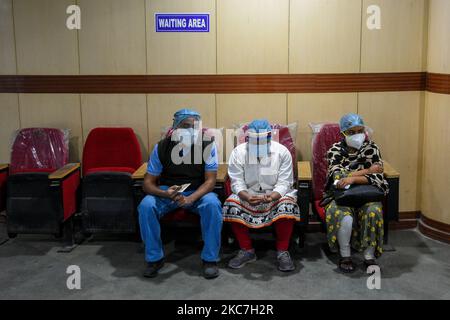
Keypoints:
pixel 222 172
pixel 304 171
pixel 140 172
pixel 4 166
pixel 389 171
pixel 63 172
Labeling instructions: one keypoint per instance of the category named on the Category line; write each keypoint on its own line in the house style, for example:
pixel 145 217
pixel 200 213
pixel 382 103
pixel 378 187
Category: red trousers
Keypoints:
pixel 283 229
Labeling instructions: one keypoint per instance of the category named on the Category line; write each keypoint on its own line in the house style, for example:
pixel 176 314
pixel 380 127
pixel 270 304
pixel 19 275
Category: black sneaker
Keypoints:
pixel 210 270
pixel 285 262
pixel 152 268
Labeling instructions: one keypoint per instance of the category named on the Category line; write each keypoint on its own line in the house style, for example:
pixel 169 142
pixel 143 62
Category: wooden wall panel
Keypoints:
pixel 436 153
pixel 7 44
pixel 439 37
pixel 324 36
pixel 395 119
pixel 44 44
pixel 399 44
pixel 54 111
pixel 312 107
pixel 112 37
pixel 252 36
pixel 9 122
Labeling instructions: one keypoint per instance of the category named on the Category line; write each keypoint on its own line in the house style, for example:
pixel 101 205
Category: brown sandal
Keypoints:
pixel 346 265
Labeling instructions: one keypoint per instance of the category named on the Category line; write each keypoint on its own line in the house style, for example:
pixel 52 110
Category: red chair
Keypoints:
pixel 324 139
pixel 42 186
pixel 110 158
pixel 283 135
pixel 4 170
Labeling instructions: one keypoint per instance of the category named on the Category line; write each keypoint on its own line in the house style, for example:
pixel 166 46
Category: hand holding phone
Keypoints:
pixel 175 190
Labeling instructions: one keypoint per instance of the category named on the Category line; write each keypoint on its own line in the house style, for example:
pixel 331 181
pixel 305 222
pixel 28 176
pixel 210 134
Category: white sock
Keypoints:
pixel 344 234
pixel 369 253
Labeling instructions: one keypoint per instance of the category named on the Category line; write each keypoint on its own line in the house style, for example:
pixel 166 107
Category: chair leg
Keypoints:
pixel 386 246
pixel 69 237
pixel 301 235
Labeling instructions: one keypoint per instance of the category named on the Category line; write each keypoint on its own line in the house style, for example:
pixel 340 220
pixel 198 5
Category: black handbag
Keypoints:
pixel 358 195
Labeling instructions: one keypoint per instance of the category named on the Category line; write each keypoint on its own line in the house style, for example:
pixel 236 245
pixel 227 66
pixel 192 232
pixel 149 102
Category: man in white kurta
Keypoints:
pixel 261 173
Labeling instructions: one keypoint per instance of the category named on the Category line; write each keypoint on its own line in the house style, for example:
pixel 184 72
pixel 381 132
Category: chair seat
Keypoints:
pixel 34 170
pixel 181 215
pixel 110 169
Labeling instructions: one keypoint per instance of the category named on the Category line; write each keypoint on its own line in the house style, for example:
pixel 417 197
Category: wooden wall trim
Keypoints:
pixel 273 83
pixel 407 220
pixel 438 83
pixel 434 229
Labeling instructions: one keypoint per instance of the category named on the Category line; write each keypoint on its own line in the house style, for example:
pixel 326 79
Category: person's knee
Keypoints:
pixel 375 211
pixel 210 200
pixel 211 203
pixel 347 221
pixel 147 205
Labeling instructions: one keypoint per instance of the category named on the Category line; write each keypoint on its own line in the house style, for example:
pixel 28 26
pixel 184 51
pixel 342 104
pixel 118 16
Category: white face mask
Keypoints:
pixel 356 141
pixel 186 137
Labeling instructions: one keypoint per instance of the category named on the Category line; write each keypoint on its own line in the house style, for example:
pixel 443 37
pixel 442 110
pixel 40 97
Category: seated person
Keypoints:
pixel 261 176
pixel 354 160
pixel 176 160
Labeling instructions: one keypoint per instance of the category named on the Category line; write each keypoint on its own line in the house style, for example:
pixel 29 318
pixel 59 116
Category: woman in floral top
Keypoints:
pixel 354 160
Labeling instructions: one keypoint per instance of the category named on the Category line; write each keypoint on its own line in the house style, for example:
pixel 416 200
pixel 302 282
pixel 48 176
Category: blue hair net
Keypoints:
pixel 183 114
pixel 349 121
pixel 259 125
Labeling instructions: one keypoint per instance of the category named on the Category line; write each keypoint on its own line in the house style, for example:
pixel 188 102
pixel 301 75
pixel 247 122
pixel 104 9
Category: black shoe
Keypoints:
pixel 210 270
pixel 152 268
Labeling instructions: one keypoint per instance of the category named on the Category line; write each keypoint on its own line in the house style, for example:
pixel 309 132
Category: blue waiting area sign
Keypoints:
pixel 182 22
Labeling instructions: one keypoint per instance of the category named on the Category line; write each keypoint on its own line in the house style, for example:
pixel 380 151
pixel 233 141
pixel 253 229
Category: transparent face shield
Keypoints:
pixel 258 144
pixel 187 133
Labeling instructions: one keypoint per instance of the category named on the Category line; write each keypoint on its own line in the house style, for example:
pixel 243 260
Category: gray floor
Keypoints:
pixel 31 268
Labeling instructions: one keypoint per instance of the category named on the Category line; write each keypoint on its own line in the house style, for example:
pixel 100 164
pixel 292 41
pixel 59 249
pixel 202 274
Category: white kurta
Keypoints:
pixel 271 173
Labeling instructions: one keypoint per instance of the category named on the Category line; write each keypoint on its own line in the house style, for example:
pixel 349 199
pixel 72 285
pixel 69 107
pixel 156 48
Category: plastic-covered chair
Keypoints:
pixel 108 203
pixel 4 170
pixel 42 185
pixel 328 134
pixel 322 142
pixel 302 180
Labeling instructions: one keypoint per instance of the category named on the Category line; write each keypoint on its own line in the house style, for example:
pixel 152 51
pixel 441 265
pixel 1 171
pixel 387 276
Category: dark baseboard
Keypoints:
pixel 434 229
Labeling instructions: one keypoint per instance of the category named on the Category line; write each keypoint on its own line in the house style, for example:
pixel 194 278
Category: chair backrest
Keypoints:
pixel 322 142
pixel 39 150
pixel 111 147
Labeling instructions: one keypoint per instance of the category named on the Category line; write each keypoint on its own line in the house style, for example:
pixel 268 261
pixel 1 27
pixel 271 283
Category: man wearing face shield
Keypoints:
pixel 176 160
pixel 262 180
pixel 354 160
